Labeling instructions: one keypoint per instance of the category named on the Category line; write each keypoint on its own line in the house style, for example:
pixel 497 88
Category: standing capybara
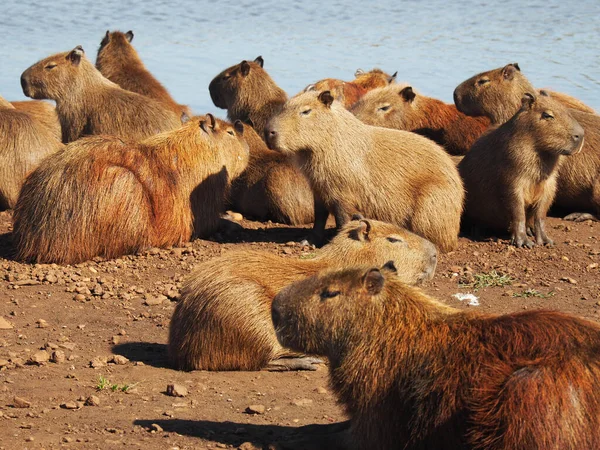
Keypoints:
pixel 24 143
pixel 103 196
pixel 497 95
pixel 271 187
pixel 347 93
pixel 510 173
pixel 223 320
pixel 390 175
pixel 399 107
pixel 87 103
pixel 248 94
pixel 373 79
pixel 414 374
pixel 42 112
pixel 118 61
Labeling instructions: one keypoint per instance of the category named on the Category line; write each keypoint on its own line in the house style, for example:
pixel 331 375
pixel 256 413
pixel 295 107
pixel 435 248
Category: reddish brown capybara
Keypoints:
pixel 248 94
pixel 510 173
pixel 43 113
pixel 415 374
pixel 497 94
pixel 87 103
pixel 373 79
pixel 400 107
pixel 223 320
pixel 103 196
pixel 390 175
pixel 118 61
pixel 347 93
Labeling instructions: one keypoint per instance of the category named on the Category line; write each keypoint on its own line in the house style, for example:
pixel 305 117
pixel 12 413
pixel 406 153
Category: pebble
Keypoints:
pixel 58 357
pixel 39 358
pixel 256 409
pixel 156 428
pixel 155 300
pixel 321 390
pixel 80 297
pixel 98 361
pixel 92 400
pixel 302 402
pixel 19 402
pixel 41 323
pixel 71 405
pixel 119 360
pixel 4 363
pixel 176 390
pixel 569 280
pixel 5 324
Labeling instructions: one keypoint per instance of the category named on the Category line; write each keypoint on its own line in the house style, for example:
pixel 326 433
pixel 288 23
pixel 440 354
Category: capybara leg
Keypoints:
pixel 518 226
pixel 321 215
pixel 287 364
pixel 580 217
pixel 541 237
pixel 341 216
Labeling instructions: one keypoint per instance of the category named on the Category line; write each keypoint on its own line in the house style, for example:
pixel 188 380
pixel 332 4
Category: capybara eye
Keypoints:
pixel 306 112
pixel 394 240
pixel 385 108
pixel 230 132
pixel 547 115
pixel 50 66
pixel 329 294
pixel 226 77
pixel 483 81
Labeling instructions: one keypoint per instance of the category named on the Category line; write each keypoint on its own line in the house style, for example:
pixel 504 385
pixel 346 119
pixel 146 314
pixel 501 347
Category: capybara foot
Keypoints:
pixel 580 217
pixel 545 240
pixel 521 240
pixel 286 364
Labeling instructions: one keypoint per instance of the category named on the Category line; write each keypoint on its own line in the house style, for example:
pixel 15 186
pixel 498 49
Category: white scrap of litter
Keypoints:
pixel 473 300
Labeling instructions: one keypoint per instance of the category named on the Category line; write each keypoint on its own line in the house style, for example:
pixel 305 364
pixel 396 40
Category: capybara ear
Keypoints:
pixel 373 281
pixel 389 267
pixel 310 87
pixel 204 126
pixel 392 78
pixel 245 68
pixel 544 93
pixel 527 101
pixel 326 98
pixel 238 126
pixel 129 36
pixel 408 94
pixel 107 35
pixel 75 55
pixel 508 72
pixel 249 122
pixel 358 72
pixel 184 117
pixel 517 66
pixel 357 217
pixel 260 61
pixel 363 230
pixel 212 121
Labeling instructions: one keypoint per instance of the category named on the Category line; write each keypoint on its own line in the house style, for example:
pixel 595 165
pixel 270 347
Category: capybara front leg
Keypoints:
pixel 518 225
pixel 541 238
pixel 287 364
pixel 321 214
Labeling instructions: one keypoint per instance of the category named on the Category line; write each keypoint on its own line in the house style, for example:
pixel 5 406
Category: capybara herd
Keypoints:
pixel 118 166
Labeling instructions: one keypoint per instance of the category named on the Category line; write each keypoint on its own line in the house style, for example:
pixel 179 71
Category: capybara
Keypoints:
pixel 497 94
pixel 118 61
pixel 390 175
pixel 24 143
pixel 88 104
pixel 271 187
pixel 373 79
pixel 347 93
pixel 510 173
pixel 400 107
pixel 248 94
pixel 415 374
pixel 43 113
pixel 223 320
pixel 103 196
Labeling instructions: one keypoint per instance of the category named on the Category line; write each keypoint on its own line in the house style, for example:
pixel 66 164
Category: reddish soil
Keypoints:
pixel 98 310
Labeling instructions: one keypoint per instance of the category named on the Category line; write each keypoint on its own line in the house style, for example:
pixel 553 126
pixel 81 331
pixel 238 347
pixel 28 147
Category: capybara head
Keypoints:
pixel 395 106
pixel 116 41
pixel 234 81
pixel 345 93
pixel 373 79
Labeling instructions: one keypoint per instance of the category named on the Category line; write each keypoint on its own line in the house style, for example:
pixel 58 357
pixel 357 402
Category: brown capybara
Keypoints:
pixel 24 143
pixel 373 79
pixel 389 175
pixel 400 107
pixel 223 320
pixel 271 187
pixel 248 94
pixel 510 173
pixel 43 113
pixel 118 61
pixel 497 94
pixel 347 93
pixel 415 374
pixel 103 196
pixel 87 103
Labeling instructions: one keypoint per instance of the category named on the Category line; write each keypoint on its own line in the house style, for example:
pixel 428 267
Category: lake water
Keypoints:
pixel 433 45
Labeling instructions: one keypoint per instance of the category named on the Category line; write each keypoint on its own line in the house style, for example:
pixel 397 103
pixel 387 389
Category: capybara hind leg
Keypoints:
pixel 287 364
pixel 317 236
pixel 580 217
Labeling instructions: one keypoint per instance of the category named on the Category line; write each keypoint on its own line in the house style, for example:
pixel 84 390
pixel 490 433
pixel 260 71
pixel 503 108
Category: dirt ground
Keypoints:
pixel 104 325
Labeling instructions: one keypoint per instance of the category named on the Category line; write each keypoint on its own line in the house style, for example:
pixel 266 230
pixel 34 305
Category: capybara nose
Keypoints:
pixel 270 136
pixel 577 133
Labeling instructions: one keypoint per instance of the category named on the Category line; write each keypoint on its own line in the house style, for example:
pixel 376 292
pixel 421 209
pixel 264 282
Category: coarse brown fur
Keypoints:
pixel 499 97
pixel 248 94
pixel 42 112
pixel 510 173
pixel 390 175
pixel 223 320
pixel 118 61
pixel 88 104
pixel 415 374
pixel 398 106
pixel 103 196
pixel 373 79
pixel 347 93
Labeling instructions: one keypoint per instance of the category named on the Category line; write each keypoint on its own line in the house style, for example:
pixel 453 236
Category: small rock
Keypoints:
pixel 569 280
pixel 27 282
pixel 41 323
pixel 39 358
pixel 302 402
pixel 4 363
pixel 67 439
pixel 80 297
pixel 235 216
pixel 154 251
pixel 71 405
pixel 19 402
pixel 154 301
pixel 256 409
pixel 156 428
pixel 58 357
pixel 92 400
pixel 321 390
pixel 248 446
pixel 288 250
pixel 456 269
pixel 5 324
pixel 50 278
pixel 119 360
pixel 98 361
pixel 115 340
pixel 176 390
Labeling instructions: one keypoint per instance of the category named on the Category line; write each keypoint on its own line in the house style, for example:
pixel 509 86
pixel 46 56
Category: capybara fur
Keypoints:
pixel 497 94
pixel 400 107
pixel 106 197
pixel 373 79
pixel 415 374
pixel 88 104
pixel 118 61
pixel 42 112
pixel 223 320
pixel 248 94
pixel 510 173
pixel 271 187
pixel 24 143
pixel 390 175
pixel 347 93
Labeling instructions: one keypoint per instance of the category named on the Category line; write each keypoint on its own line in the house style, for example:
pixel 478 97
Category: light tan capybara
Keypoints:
pixel 390 175
pixel 415 374
pixel 271 187
pixel 88 104
pixel 497 94
pixel 400 107
pixel 24 143
pixel 223 320
pixel 510 173
pixel 373 79
pixel 118 61
pixel 248 94
pixel 347 93
pixel 43 113
pixel 103 196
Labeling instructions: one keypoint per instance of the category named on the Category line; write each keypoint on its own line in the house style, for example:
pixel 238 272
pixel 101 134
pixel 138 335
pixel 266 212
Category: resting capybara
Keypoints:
pixel 87 103
pixel 248 94
pixel 24 143
pixel 413 373
pixel 497 94
pixel 271 187
pixel 390 175
pixel 223 320
pixel 399 107
pixel 347 93
pixel 103 196
pixel 42 112
pixel 373 79
pixel 510 173
pixel 118 61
